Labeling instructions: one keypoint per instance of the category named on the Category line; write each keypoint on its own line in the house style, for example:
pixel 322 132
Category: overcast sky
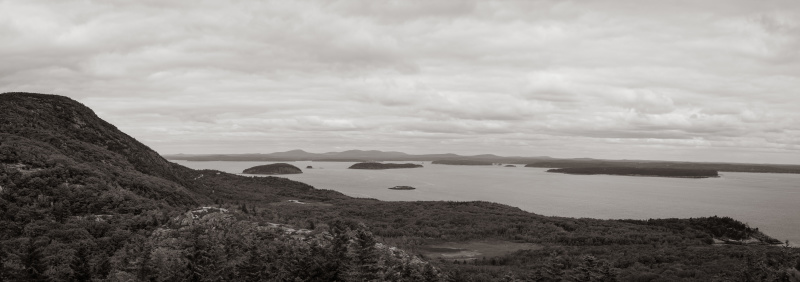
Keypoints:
pixel 673 80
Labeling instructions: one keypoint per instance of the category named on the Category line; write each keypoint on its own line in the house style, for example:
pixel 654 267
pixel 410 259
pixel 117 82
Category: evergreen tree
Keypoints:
pixel 32 261
pixel 338 259
pixel 366 257
pixel 3 255
pixel 197 257
pixel 509 277
pixel 429 273
pixel 80 264
pixel 102 266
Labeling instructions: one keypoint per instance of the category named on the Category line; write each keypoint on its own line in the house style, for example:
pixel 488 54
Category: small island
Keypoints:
pixel 402 188
pixel 277 168
pixel 382 166
pixel 462 162
pixel 636 171
pixel 510 166
pixel 309 167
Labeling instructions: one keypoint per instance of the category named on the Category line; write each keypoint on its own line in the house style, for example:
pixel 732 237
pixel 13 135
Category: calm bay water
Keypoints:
pixel 768 201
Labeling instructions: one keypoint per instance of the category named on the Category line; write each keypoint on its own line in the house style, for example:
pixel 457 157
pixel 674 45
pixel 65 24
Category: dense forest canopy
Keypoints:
pixel 278 168
pixel 82 201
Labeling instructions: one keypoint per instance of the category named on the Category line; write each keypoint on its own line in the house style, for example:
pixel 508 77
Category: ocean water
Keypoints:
pixel 768 201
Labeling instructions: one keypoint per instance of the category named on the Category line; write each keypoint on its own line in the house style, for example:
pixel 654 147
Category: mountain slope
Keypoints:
pixel 56 119
pixel 49 132
pixel 82 201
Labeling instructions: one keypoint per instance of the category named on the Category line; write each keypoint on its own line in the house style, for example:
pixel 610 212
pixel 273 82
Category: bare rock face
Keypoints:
pixel 278 168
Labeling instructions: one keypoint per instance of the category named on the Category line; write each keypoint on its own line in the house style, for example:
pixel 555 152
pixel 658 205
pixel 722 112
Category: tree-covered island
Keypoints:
pixel 402 188
pixel 278 168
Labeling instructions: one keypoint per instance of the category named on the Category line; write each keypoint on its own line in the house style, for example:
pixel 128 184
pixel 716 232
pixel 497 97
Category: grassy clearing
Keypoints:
pixel 473 249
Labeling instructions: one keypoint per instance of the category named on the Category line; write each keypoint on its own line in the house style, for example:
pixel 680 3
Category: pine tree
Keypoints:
pixel 509 277
pixel 338 262
pixel 429 273
pixel 80 264
pixel 587 269
pixel 32 261
pixel 197 258
pixel 3 255
pixel 366 257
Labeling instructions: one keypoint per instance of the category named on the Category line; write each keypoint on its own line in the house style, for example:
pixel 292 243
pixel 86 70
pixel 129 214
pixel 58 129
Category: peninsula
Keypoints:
pixel 636 171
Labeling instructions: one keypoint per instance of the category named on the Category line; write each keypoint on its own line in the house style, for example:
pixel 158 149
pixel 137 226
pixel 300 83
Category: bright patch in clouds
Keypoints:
pixel 690 80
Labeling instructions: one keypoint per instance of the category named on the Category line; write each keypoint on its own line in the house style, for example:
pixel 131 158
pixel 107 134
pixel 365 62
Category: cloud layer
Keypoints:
pixel 695 80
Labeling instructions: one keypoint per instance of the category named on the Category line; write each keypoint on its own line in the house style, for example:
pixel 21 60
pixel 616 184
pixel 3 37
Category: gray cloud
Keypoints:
pixel 694 80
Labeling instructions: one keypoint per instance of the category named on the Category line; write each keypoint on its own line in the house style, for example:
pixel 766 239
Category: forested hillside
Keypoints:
pixel 82 201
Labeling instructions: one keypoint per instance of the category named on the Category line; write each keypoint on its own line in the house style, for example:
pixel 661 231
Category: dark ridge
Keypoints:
pixel 632 171
pixel 382 166
pixel 278 168
pixel 49 132
pixel 56 120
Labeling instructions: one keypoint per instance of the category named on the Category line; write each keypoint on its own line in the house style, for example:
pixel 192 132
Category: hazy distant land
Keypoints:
pixel 486 159
pixel 382 166
pixel 632 171
pixel 462 162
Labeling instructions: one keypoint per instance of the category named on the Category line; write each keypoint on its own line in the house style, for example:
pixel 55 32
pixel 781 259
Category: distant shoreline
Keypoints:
pixel 486 159
pixel 642 175
pixel 640 172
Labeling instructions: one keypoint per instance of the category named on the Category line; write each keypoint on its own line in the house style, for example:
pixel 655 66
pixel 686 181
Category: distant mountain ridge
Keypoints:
pixel 361 155
pixel 538 161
